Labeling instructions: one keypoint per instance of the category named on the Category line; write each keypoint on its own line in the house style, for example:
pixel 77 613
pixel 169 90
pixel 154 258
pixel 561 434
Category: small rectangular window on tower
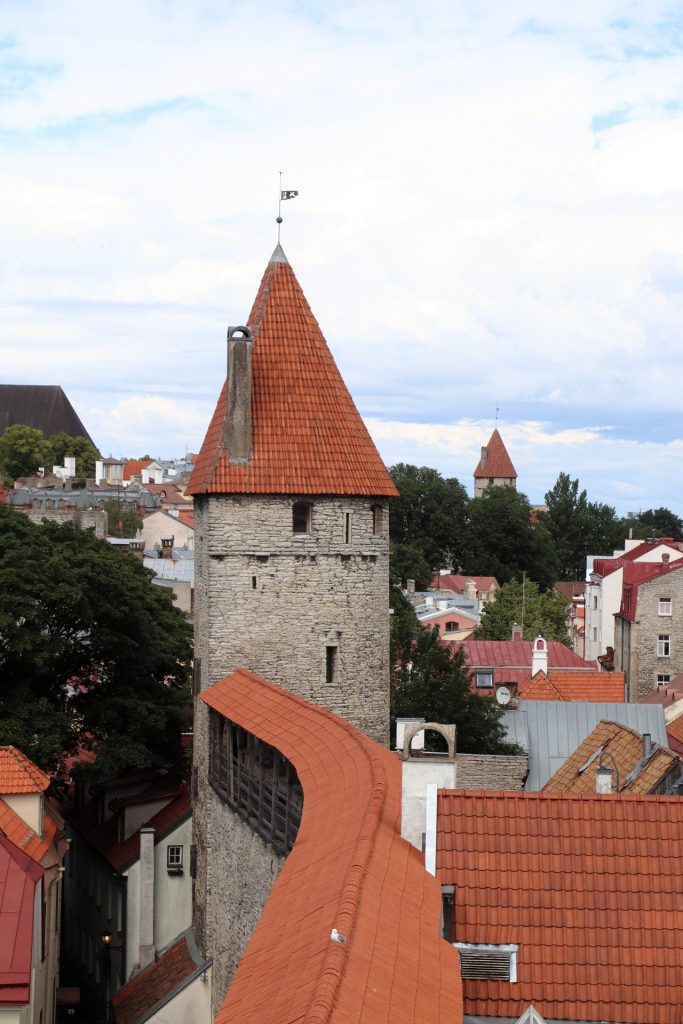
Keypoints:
pixel 330 663
pixel 301 517
pixel 347 527
pixel 377 518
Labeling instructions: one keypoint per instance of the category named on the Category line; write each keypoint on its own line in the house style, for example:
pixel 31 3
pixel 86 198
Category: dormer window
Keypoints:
pixel 452 627
pixel 301 517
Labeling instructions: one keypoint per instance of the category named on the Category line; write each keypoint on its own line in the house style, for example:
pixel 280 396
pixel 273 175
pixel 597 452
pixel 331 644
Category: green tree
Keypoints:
pixel 20 451
pixel 60 446
pixel 406 562
pixel 654 522
pixel 122 521
pixel 515 602
pixel 91 652
pixel 430 514
pixel 504 541
pixel 578 527
pixel 432 681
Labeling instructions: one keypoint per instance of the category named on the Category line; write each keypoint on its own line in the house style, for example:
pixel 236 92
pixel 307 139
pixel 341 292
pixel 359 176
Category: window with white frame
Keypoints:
pixel 662 678
pixel 665 606
pixel 484 679
pixel 174 859
pixel 663 645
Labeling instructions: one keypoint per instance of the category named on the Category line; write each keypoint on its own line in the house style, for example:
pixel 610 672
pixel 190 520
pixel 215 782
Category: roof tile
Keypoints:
pixel 308 437
pixel 18 774
pixel 496 462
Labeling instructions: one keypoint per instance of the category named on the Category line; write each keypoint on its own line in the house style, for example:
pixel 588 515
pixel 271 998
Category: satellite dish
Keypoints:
pixel 503 695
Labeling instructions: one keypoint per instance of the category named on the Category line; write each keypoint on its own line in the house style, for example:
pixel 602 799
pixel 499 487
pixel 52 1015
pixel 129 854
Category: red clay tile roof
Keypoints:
pixel 570 684
pixel 308 437
pixel 517 654
pixel 496 462
pixel 587 886
pixel 104 837
pixel 571 589
pixel 625 746
pixel 135 1001
pixel 18 877
pixel 455 582
pixel 349 869
pixel 134 467
pixel 666 693
pixel 18 774
pixel 17 831
pixel 674 732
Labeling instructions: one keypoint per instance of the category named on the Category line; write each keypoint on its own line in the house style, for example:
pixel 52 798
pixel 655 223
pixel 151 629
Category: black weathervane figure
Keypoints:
pixel 283 194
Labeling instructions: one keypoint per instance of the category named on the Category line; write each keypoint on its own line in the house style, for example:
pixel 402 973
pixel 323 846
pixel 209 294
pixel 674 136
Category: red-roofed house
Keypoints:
pixel 32 849
pixel 563 902
pixel 538 670
pixel 481 588
pixel 605 583
pixel 648 640
pixel 494 468
pixel 128 873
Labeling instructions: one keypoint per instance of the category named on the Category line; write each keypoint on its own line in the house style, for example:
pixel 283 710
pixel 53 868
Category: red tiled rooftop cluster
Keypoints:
pixel 349 869
pixel 18 774
pixel 586 886
pixel 570 684
pixel 308 437
pixel 517 654
pixel 135 1001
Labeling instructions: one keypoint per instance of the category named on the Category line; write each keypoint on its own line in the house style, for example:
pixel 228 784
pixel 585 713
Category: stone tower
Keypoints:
pixel 291 573
pixel 494 468
pixel 292 523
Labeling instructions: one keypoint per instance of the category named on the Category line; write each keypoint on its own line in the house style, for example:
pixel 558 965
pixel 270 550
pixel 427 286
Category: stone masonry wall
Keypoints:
pixel 650 625
pixel 491 771
pixel 272 601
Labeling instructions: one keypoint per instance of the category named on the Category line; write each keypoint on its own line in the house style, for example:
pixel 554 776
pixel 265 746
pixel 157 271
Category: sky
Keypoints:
pixel 489 219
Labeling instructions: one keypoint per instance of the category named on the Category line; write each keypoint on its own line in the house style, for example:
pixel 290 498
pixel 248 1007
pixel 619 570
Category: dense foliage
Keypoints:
pixel 122 521
pixel 24 449
pixel 523 603
pixel 91 652
pixel 579 527
pixel 504 540
pixel 431 680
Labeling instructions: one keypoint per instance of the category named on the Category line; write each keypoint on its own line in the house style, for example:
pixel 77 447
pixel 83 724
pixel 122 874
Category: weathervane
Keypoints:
pixel 286 194
pixel 497 411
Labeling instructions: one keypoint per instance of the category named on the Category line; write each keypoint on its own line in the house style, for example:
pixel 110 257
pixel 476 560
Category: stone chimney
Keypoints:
pixel 238 419
pixel 516 631
pixel 603 779
pixel 539 656
pixel 666 557
pixel 146 896
pixel 410 586
pixel 166 550
pixel 482 460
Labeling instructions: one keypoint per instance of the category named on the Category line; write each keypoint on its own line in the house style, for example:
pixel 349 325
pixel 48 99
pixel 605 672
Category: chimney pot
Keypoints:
pixel 238 419
pixel 603 779
pixel 647 744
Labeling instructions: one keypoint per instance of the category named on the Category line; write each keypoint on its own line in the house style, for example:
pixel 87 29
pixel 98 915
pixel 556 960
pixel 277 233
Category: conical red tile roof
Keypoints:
pixel 497 463
pixel 308 437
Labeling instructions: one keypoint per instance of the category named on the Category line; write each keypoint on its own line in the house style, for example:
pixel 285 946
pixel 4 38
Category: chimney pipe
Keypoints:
pixel 647 744
pixel 146 896
pixel 238 419
pixel 516 631
pixel 603 779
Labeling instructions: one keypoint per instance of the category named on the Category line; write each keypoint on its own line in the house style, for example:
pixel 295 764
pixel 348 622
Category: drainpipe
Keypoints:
pixel 147 950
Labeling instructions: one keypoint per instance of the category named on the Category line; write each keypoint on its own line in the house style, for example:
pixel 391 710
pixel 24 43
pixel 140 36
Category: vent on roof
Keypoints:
pixel 496 963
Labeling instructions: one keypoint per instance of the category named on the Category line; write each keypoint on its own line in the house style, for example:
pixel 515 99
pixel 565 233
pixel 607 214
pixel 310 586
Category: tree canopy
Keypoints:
pixel 579 527
pixel 519 603
pixel 504 541
pixel 91 652
pixel 24 449
pixel 654 522
pixel 428 521
pixel 122 521
pixel 432 681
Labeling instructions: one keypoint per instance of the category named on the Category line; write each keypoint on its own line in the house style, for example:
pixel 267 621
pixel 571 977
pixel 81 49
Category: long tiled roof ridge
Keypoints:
pixel 496 463
pixel 176 967
pixel 307 435
pixel 18 774
pixel 351 822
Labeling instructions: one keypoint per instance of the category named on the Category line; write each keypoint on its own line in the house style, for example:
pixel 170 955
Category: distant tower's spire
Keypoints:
pixel 283 194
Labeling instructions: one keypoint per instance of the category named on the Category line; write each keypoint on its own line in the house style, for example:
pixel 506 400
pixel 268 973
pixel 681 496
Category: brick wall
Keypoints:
pixel 490 771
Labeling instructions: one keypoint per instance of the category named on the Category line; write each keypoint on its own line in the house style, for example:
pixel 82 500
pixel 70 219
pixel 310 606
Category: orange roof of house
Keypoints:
pixel 308 437
pixel 155 985
pixel 587 886
pixel 18 774
pixel 496 462
pixel 674 732
pixel 349 869
pixel 22 835
pixel 636 774
pixel 455 582
pixel 134 467
pixel 573 684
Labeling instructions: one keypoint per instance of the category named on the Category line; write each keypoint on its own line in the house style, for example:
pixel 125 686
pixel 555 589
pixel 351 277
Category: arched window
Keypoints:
pixel 301 517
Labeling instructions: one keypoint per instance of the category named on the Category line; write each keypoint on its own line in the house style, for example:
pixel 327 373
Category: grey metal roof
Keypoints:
pixel 82 498
pixel 551 730
pixel 170 569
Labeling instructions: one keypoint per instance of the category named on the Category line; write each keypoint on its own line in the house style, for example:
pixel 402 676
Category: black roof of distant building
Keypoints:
pixel 43 406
